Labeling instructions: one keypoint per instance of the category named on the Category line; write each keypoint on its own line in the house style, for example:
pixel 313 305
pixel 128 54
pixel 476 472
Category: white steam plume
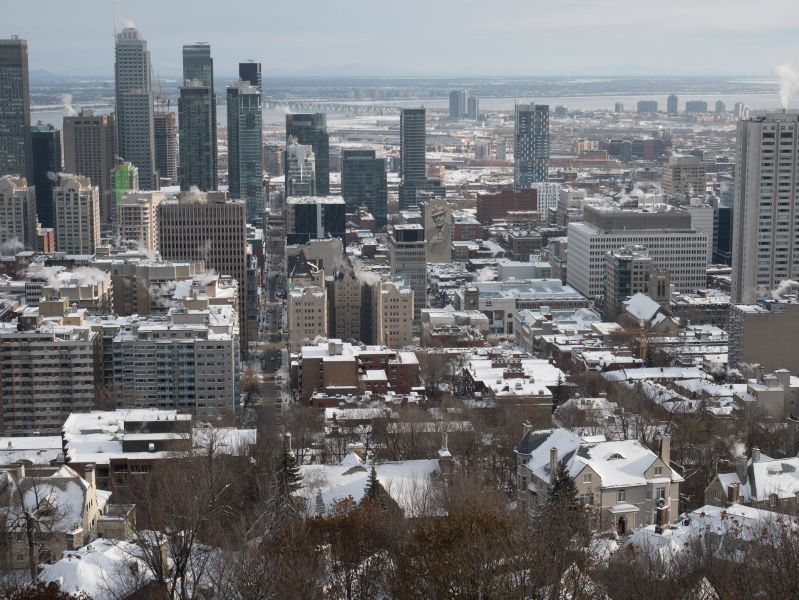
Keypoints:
pixel 786 286
pixel 486 274
pixel 66 101
pixel 11 247
pixel 789 82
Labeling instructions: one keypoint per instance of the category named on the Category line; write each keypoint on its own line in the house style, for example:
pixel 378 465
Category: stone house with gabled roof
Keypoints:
pixel 621 484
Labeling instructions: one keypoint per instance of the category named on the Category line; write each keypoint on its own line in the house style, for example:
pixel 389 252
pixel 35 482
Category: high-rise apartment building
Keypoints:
pixel 473 108
pixel 251 73
pixel 311 129
pixel 647 107
pixel 627 274
pixel 15 112
pixel 765 248
pixel 720 108
pixel 137 219
pixel 393 314
pixel 166 146
pixel 672 105
pixel 307 315
pixel 212 229
pixel 134 105
pixel 46 375
pixel 547 196
pixel 245 148
pixel 406 248
pixel 300 170
pixel 196 120
pixel 457 104
pixel 90 149
pixel 47 163
pixel 695 107
pixel 17 212
pixel 684 175
pixel 364 183
pixel 76 208
pixel 531 148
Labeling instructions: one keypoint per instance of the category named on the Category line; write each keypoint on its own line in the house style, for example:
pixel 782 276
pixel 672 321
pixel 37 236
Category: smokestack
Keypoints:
pixel 755 454
pixel 665 449
pixel 740 468
pixel 733 493
pixel 553 464
pixel 90 476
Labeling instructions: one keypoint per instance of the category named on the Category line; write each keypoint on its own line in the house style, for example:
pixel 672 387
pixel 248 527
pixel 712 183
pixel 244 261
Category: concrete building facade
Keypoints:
pixel 76 205
pixel 17 212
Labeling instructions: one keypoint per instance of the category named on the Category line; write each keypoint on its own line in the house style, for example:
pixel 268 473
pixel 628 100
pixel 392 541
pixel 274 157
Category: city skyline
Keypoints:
pixel 458 39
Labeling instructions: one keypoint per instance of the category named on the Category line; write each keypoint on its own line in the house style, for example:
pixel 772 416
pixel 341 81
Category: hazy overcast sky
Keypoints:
pixel 420 37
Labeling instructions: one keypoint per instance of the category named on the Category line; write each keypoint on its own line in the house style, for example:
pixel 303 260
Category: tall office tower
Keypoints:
pixel 90 148
pixel 672 105
pixel 413 163
pixel 618 107
pixel 531 149
pixel 245 164
pixel 46 375
pixel 406 250
pixel 197 137
pixel 134 105
pixel 15 109
pixel 251 73
pixel 314 218
pixel 137 219
pixel 721 108
pixel 274 159
pixel 363 183
pixel 47 163
pixel 684 175
pixel 212 229
pixel 457 104
pixel 76 208
pixel 198 66
pixel 300 170
pixel 166 146
pixel 17 214
pixel 765 248
pixel 311 129
pixel 473 108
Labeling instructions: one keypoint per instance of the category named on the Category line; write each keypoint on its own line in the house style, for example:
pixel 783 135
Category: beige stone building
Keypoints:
pixel 393 314
pixel 211 228
pixel 622 485
pixel 684 175
pixel 137 219
pixel 76 207
pixel 307 315
pixel 765 334
pixel 17 212
pixel 345 311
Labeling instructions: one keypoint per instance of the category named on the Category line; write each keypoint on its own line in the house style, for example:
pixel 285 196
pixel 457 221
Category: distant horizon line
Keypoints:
pixel 766 78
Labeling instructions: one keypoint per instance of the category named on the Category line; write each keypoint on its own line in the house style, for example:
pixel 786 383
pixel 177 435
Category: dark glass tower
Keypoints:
pixel 46 143
pixel 198 67
pixel 251 73
pixel 245 148
pixel 531 149
pixel 311 129
pixel 363 183
pixel 15 115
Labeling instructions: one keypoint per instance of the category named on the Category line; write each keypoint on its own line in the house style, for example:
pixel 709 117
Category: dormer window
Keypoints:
pixel 615 456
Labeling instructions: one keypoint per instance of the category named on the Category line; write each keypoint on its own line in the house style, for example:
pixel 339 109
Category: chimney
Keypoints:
pixel 740 468
pixel 526 427
pixel 553 464
pixel 90 476
pixel 287 443
pixel 755 454
pixel 20 471
pixel 665 449
pixel 733 493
